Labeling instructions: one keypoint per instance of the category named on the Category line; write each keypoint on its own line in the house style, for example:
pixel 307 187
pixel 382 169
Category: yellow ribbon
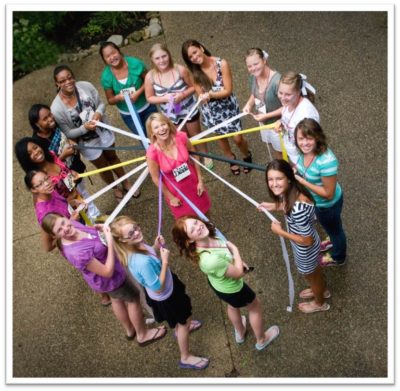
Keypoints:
pixel 284 151
pixel 88 173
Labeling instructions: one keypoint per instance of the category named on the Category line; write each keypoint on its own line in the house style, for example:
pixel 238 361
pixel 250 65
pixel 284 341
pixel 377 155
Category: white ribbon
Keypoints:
pixel 111 185
pixel 114 129
pixel 265 55
pixel 127 197
pixel 289 308
pixel 306 86
pixel 182 124
pixel 222 124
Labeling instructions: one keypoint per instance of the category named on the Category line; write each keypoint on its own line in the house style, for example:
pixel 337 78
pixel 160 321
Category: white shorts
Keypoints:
pixel 271 137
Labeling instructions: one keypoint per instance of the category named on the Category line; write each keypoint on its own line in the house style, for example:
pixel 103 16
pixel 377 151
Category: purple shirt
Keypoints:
pixel 57 204
pixel 80 253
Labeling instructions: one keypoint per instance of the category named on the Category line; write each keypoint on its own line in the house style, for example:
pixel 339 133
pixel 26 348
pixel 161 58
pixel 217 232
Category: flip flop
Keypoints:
pixel 198 365
pixel 155 337
pixel 239 340
pixel 130 337
pixel 270 340
pixel 308 294
pixel 194 325
pixel 309 307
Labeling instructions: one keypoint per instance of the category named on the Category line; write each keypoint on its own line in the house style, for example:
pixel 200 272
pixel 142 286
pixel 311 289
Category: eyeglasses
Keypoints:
pixel 41 183
pixel 63 81
pixel 135 228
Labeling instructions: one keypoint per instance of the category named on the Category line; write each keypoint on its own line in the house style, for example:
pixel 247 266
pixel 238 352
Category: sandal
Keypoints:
pixel 201 364
pixel 310 306
pixel 235 171
pixel 156 336
pixel 248 159
pixel 308 294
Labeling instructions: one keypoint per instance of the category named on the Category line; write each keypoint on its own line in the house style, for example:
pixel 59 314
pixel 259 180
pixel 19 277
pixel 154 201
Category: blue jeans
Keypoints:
pixel 332 223
pixel 127 118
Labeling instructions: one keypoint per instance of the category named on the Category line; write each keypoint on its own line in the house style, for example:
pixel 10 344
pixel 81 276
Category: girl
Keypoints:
pixel 125 73
pixel 45 129
pixel 296 97
pixel 165 293
pixel 76 108
pixel 223 265
pixel 84 249
pixel 169 152
pixel 264 96
pixel 213 84
pixel 169 85
pixel 317 168
pixel 297 204
pixel 47 200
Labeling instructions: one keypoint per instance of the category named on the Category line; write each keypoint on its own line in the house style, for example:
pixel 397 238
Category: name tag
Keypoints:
pixel 129 90
pixel 69 182
pixel 260 106
pixel 86 115
pixel 181 172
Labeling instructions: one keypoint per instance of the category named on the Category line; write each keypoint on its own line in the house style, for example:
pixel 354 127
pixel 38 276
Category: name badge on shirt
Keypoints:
pixel 69 182
pixel 260 106
pixel 181 172
pixel 129 90
pixel 86 115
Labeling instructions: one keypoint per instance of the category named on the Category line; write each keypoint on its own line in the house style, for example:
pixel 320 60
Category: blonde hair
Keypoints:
pixel 295 79
pixel 163 47
pixel 161 118
pixel 48 223
pixel 122 249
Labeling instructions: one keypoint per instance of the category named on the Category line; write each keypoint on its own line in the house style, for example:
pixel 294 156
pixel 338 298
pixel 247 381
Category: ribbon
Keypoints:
pixel 306 86
pixel 127 196
pixel 159 204
pixel 272 218
pixel 265 55
pixel 111 185
pixel 219 137
pixel 222 124
pixel 284 151
pixel 88 173
pixel 193 206
pixel 182 124
pixel 116 130
pixel 170 105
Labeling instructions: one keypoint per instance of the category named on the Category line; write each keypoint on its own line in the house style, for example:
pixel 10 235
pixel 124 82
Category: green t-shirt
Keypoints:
pixel 214 261
pixel 135 68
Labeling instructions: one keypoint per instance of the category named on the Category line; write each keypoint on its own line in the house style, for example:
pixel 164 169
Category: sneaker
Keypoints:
pixel 327 260
pixel 326 245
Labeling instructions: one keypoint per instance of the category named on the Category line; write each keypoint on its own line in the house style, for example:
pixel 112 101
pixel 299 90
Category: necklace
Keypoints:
pixel 261 90
pixel 69 97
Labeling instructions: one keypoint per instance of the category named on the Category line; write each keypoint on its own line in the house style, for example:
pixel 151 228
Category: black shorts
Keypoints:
pixel 126 292
pixel 238 299
pixel 175 309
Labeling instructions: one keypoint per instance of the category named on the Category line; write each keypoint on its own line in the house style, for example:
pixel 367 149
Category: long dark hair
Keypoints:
pixel 29 177
pixel 199 76
pixel 33 115
pixel 294 187
pixel 21 152
pixel 182 240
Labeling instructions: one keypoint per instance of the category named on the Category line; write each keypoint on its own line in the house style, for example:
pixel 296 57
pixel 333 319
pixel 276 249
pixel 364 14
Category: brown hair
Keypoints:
pixel 199 76
pixel 295 79
pixel 311 128
pixel 294 187
pixel 48 225
pixel 181 238
pixel 161 118
pixel 121 248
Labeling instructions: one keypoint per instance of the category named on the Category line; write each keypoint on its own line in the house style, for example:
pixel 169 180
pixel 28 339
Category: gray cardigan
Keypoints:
pixel 63 118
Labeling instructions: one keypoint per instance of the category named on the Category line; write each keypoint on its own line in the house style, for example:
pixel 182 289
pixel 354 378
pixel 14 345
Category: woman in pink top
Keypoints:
pixel 169 153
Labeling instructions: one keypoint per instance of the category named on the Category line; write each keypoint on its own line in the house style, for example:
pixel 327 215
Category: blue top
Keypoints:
pixel 325 164
pixel 146 269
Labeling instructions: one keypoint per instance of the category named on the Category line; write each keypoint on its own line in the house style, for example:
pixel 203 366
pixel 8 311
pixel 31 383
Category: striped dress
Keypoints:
pixel 301 222
pixel 185 105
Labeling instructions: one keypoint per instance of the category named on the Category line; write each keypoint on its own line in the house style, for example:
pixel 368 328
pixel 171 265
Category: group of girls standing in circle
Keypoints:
pixel 116 261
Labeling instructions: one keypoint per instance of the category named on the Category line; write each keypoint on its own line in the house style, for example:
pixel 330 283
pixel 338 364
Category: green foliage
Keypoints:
pixel 31 50
pixel 108 23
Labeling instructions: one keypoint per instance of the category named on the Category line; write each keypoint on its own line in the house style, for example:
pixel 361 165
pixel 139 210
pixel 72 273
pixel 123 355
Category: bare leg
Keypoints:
pixel 236 319
pixel 242 144
pixel 194 128
pixel 256 319
pixel 121 313
pixel 112 158
pixel 317 285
